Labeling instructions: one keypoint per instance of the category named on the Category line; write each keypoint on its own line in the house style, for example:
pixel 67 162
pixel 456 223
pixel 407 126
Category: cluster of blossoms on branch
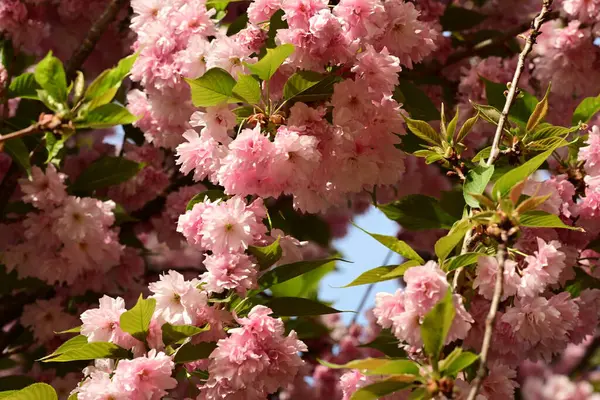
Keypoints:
pixel 210 170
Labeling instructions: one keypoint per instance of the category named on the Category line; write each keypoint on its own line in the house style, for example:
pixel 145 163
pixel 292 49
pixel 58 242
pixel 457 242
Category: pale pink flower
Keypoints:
pixel 557 387
pixel 543 268
pixel 583 10
pixel 217 121
pixel 590 154
pixel 426 285
pixel 298 12
pixel 45 317
pixel 262 10
pixel 405 36
pixel 378 68
pixel 296 158
pixel 145 378
pixel 255 360
pixel 228 54
pixel 232 225
pixel 561 193
pixel 365 18
pixel 178 301
pixel 102 324
pixel 485 281
pixel 229 271
pixel 99 386
pixel 201 154
pixel 44 189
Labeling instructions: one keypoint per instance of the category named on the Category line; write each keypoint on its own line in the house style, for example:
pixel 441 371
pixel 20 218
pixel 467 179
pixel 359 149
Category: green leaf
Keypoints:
pixel 460 19
pixel 476 182
pixel 542 219
pixel 305 285
pixel 267 255
pixel 461 260
pixel 50 75
pixel 415 101
pixel 105 116
pixel 103 89
pixel 265 68
pixel 401 269
pixel 319 92
pixel 90 351
pixel 211 195
pixel 298 306
pixel 386 343
pixel 73 343
pixel 300 82
pixel 246 90
pixel 213 88
pixel 489 113
pixel 106 171
pixel 286 272
pixel 378 366
pixel 466 128
pixel 396 367
pixel 424 131
pixel 445 245
pixel 436 325
pixel 175 333
pixel 37 391
pixel 372 276
pixel 191 352
pixel 396 245
pixel 584 112
pixel 418 212
pixel 483 154
pixel 380 389
pixel 76 329
pixel 521 109
pixel 136 321
pixel 453 364
pixel 24 86
pixel 361 364
pixel 507 181
pixel 539 113
pixel 17 150
pixel 451 129
pixel 54 145
pixel 547 131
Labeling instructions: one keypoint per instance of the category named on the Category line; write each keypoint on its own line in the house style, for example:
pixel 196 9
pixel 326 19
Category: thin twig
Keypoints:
pixel 363 301
pixel 94 34
pixel 31 129
pixel 489 324
pixel 536 26
pixel 501 254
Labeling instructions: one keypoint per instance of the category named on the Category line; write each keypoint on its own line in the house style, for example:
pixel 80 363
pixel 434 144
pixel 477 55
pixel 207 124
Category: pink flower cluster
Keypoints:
pixel 144 378
pixel 255 360
pixel 65 236
pixel 404 311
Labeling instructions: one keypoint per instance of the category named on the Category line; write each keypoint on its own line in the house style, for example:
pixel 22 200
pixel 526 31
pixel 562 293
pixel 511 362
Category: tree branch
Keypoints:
pixel 536 26
pixel 587 356
pixel 501 254
pixel 31 129
pixel 95 33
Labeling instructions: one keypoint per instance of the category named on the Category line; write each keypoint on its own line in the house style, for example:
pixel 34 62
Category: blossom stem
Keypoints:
pixel 31 129
pixel 531 39
pixel 489 324
pixel 501 253
pixel 94 34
